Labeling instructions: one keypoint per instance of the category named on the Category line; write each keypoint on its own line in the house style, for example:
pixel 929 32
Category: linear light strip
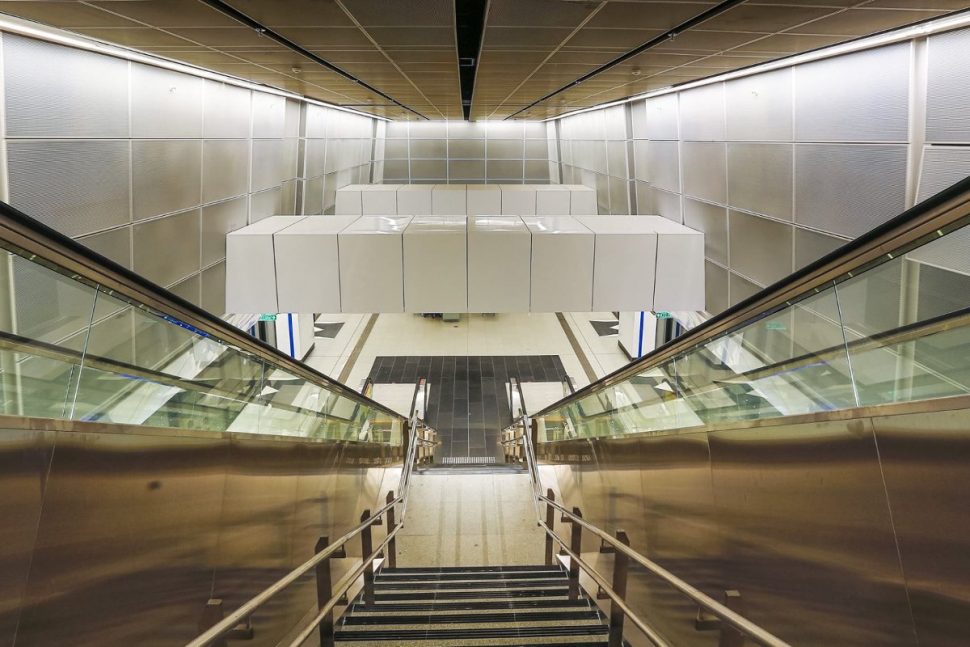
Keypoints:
pixel 928 28
pixel 38 31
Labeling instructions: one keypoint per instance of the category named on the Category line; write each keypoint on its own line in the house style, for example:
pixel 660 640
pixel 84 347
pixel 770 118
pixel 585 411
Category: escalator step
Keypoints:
pixel 480 576
pixel 437 619
pixel 471 634
pixel 385 585
pixel 469 569
pixel 470 605
pixel 466 595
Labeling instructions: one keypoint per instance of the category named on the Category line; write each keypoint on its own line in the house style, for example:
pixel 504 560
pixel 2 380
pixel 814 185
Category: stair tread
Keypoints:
pixel 480 576
pixel 471 605
pixel 384 585
pixel 432 633
pixel 465 595
pixel 453 618
pixel 469 569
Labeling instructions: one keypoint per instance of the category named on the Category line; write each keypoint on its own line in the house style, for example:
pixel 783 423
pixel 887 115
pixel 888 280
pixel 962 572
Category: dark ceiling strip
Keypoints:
pixel 469 28
pixel 662 38
pixel 238 16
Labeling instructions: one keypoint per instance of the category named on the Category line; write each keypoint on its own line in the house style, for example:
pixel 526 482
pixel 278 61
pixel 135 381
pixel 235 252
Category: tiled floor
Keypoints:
pixel 468 403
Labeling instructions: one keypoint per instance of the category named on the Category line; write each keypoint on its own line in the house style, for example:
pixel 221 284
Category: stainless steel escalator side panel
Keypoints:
pixel 25 458
pixel 926 465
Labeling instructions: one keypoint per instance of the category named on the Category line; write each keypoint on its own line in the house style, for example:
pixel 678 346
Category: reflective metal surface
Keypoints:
pixel 139 530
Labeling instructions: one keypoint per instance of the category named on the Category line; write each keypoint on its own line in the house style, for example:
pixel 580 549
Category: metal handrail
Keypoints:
pixel 227 624
pixel 926 219
pixel 725 614
pixel 39 241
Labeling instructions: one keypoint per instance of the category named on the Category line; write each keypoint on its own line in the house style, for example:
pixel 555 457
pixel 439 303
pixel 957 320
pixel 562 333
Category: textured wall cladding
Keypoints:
pixel 812 245
pixel 640 163
pixel 616 159
pixel 188 289
pixel 265 204
pixel 704 171
pixel 459 170
pixel 76 187
pixel 741 288
pixel 759 107
pixel 948 88
pixel 217 221
pixel 52 91
pixel 225 169
pixel 760 178
pixel 661 114
pixel 667 204
pixel 274 160
pixel 166 176
pixel 702 113
pixel 316 156
pixel 761 249
pixel 848 189
pixel 114 244
pixel 167 250
pixel 713 221
pixel 863 97
pixel 228 111
pixel 664 164
pixel 165 104
pixel 715 287
pixel 269 116
pixel 214 288
pixel 943 166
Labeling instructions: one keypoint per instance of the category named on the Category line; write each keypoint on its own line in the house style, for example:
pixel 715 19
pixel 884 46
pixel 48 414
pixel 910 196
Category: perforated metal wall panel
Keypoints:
pixel 644 195
pixel 504 149
pixel 54 91
pixel 667 204
pixel 760 178
pixel 948 88
pixel 638 119
pixel 228 110
pixel 619 197
pixel 274 160
pixel 500 130
pixel 662 121
pixel 848 189
pixel 713 221
pixel 166 176
pixel 430 169
pixel 761 249
pixel 536 149
pixel 265 204
pixel 76 187
pixel 512 170
pixel 396 171
pixel 759 107
pixel 460 170
pixel 641 167
pixel 399 130
pixel 291 125
pixel 114 244
pixel 316 122
pixel 860 97
pixel 165 104
pixel 316 156
pixel 188 289
pixel 269 115
pixel 466 148
pixel 225 169
pixel 313 196
pixel 217 221
pixel 214 289
pixel 715 288
pixel 705 174
pixel 741 288
pixel 536 171
pixel 664 163
pixel 951 253
pixel 288 199
pixel 163 251
pixel 616 158
pixel 428 148
pixel 812 245
pixel 702 113
pixel 942 167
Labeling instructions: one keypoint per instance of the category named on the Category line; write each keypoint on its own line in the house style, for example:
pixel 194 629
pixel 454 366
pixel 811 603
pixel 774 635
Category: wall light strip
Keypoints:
pixel 947 23
pixel 38 31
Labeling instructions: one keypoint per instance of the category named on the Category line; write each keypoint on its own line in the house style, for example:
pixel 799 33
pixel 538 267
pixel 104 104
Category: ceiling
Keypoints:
pixel 405 50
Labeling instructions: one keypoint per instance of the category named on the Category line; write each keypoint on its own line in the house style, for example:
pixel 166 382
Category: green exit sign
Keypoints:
pixel 267 317
pixel 663 315
pixel 775 325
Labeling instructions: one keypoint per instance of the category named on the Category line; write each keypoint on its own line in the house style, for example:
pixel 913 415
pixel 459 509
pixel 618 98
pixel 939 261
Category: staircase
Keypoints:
pixel 484 605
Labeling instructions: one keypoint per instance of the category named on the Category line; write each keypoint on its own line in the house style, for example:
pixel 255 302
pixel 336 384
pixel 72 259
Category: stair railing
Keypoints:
pixel 733 626
pixel 329 595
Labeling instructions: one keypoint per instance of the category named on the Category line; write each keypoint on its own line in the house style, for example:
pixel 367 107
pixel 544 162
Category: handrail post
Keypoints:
pixel 575 545
pixel 211 616
pixel 731 637
pixel 324 593
pixel 620 569
pixel 367 547
pixel 551 524
pixel 392 544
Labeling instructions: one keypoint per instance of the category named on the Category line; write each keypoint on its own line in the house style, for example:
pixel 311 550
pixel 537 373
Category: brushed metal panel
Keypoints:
pixel 121 558
pixel 812 245
pixel 807 533
pixel 428 130
pixel 601 183
pixel 289 199
pixel 713 221
pixel 396 149
pixel 614 123
pixel 466 130
pixel 616 159
pixel 761 249
pixel 924 458
pixel 214 289
pixel 640 165
pixel 503 149
pixel 398 130
pixel 638 119
pixel 704 171
pixel 619 197
pixel 644 198
pixel 167 249
pixel 165 104
pixel 293 115
pixel 397 171
pixel 865 185
pixel 225 169
pixel 715 288
pixel 741 288
pixel 760 178
pixel 947 88
pixel 54 91
pixel 228 111
pixel 663 160
pixel 76 187
pixel 759 107
pixel 428 148
pixel 316 156
pixel 504 170
pixel 466 148
pixel 702 113
pixel 166 176
pixel 536 149
pixel 114 244
pixel 189 289
pixel 466 170
pixel 316 122
pixel 662 117
pixel 537 171
pixel 943 166
pixel 534 130
pixel 265 204
pixel 313 196
pixel 269 115
pixel 24 462
pixel 499 129
pixel 274 160
pixel 429 170
pixel 667 204
pixel 860 97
